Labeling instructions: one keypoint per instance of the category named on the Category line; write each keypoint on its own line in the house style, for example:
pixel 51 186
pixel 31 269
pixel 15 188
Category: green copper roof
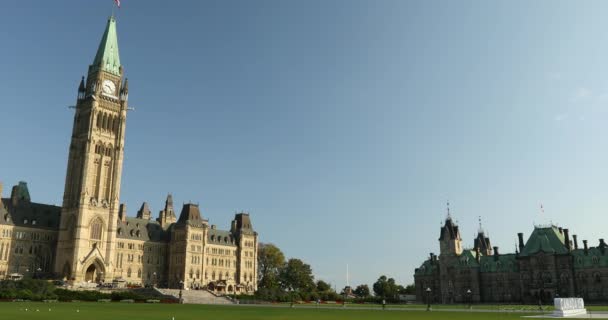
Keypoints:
pixel 107 58
pixel 545 239
pixel 502 263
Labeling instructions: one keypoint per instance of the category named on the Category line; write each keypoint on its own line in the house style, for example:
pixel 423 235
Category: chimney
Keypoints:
pixel 602 246
pixel 567 239
pixel 561 231
pixel 496 253
pixel 585 247
pixel 122 212
pixel 575 241
pixel 520 236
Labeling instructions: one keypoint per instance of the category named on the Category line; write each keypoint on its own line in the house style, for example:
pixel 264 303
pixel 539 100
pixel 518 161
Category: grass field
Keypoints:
pixel 103 311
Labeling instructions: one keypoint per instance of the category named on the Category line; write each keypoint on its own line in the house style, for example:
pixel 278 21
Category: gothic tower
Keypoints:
pixel 90 207
pixel 450 242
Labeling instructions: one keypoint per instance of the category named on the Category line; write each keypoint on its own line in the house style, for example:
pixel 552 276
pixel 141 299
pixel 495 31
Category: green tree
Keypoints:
pixel 297 276
pixel 362 291
pixel 385 287
pixel 323 286
pixel 270 262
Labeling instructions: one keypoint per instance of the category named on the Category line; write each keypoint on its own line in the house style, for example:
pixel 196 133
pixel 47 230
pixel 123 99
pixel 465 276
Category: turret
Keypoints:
pixel 144 212
pixel 167 215
pixel 20 194
pixel 81 89
pixel 450 242
pixel 124 92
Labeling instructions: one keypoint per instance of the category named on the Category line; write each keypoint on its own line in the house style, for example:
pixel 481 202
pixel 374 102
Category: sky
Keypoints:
pixel 343 127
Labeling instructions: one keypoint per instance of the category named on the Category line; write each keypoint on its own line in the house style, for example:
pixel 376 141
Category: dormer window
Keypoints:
pixel 34 222
pixel 25 221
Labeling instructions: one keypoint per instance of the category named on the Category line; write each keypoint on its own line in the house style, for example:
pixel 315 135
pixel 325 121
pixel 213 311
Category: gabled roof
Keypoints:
pixel 546 240
pixel 107 57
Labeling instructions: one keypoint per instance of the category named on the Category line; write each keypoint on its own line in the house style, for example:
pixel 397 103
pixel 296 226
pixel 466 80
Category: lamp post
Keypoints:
pixel 154 280
pixel 469 298
pixel 428 299
pixel 181 285
pixel 27 270
pixel 38 272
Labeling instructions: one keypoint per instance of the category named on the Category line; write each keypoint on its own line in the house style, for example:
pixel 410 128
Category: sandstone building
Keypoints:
pixel 90 238
pixel 549 264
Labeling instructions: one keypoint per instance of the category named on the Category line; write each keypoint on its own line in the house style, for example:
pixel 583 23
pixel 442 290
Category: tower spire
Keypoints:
pixel 107 57
pixel 449 216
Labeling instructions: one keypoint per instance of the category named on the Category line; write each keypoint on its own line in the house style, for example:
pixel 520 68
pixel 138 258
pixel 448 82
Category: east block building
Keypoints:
pixel 90 238
pixel 549 264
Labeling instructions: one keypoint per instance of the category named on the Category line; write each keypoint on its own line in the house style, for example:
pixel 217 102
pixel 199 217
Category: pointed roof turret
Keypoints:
pixel 107 57
pixel 81 87
pixel 144 212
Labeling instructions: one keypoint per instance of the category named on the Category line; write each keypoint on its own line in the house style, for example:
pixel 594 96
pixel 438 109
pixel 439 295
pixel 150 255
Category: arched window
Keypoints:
pixel 96 229
pixel 213 275
pixel 139 273
pixel 104 123
pixel 129 273
pixel 99 120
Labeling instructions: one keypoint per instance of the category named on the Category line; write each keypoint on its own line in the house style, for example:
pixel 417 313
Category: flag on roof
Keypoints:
pixel 117 3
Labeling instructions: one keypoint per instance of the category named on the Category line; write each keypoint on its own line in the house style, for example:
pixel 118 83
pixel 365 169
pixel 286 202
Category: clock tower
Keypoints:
pixel 87 234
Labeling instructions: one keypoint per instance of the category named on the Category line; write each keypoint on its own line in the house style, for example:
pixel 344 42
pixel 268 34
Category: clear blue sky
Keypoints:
pixel 342 126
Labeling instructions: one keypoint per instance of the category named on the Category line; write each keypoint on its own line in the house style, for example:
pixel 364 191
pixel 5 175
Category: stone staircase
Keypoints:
pixel 196 296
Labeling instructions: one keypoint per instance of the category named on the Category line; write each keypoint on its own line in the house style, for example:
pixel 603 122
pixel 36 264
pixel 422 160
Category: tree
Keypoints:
pixel 385 288
pixel 270 262
pixel 362 291
pixel 323 286
pixel 297 275
pixel 409 289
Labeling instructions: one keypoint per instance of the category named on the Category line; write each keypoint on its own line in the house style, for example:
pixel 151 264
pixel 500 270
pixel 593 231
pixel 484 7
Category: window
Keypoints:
pixel 96 230
pixel 129 273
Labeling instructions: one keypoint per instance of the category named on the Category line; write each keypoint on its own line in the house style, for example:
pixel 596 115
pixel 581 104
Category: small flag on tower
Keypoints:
pixel 117 3
pixel 542 210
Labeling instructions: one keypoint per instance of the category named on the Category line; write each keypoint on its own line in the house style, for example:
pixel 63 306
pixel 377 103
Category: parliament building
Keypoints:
pixel 90 239
pixel 549 264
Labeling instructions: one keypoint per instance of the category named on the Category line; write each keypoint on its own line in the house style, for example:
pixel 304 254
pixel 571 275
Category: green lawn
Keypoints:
pixel 113 311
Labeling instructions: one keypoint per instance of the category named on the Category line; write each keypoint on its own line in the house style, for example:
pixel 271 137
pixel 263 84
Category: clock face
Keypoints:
pixel 108 87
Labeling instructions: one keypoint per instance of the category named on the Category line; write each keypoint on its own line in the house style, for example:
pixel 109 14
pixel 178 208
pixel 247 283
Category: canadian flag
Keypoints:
pixel 117 3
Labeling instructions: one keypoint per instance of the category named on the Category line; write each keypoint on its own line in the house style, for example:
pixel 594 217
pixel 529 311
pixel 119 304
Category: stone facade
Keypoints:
pixel 90 238
pixel 549 264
